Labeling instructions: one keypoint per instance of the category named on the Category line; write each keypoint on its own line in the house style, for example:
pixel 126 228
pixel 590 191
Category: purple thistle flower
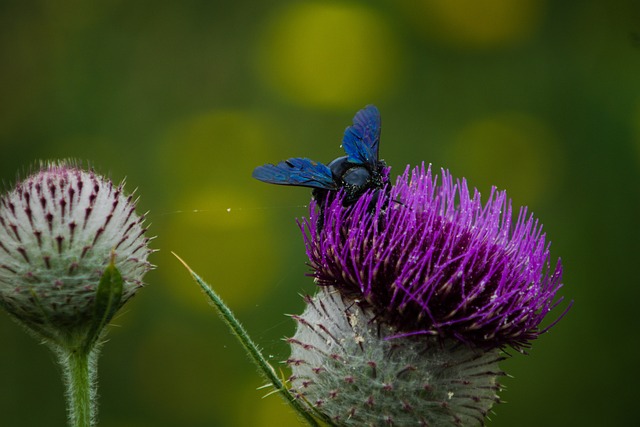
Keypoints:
pixel 433 259
pixel 422 287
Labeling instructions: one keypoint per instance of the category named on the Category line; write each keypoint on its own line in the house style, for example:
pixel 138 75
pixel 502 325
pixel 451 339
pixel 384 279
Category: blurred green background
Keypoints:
pixel 185 98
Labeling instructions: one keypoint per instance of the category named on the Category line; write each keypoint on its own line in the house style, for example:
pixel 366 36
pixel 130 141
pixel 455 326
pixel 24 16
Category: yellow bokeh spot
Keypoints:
pixel 232 249
pixel 329 55
pixel 512 151
pixel 476 24
pixel 216 223
pixel 214 146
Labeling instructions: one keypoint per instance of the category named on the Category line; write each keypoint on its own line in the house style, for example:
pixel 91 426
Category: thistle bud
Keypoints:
pixel 348 365
pixel 60 229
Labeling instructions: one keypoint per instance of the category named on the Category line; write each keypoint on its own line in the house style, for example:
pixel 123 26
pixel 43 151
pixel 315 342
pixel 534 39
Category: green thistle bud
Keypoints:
pixel 72 252
pixel 345 366
pixel 59 229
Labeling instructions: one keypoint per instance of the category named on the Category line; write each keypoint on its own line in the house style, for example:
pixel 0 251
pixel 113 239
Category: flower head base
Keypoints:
pixel 432 259
pixel 345 367
pixel 59 229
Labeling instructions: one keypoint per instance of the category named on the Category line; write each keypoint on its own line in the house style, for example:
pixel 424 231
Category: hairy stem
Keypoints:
pixel 79 370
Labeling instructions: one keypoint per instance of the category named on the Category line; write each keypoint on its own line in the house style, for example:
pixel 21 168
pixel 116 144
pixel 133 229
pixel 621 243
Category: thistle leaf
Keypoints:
pixel 107 302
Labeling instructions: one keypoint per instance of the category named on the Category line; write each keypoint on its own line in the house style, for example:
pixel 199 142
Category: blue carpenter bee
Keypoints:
pixel 357 172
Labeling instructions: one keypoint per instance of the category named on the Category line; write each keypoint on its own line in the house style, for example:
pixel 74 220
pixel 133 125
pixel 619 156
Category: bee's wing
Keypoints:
pixel 297 171
pixel 361 140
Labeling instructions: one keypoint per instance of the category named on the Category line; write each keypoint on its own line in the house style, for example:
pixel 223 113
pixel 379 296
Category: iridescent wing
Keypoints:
pixel 297 171
pixel 361 140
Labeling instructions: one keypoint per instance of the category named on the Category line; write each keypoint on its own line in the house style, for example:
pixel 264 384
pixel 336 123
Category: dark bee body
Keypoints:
pixel 360 170
pixel 354 179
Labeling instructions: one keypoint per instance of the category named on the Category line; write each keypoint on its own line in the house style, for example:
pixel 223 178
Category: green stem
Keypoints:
pixel 79 370
pixel 251 348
